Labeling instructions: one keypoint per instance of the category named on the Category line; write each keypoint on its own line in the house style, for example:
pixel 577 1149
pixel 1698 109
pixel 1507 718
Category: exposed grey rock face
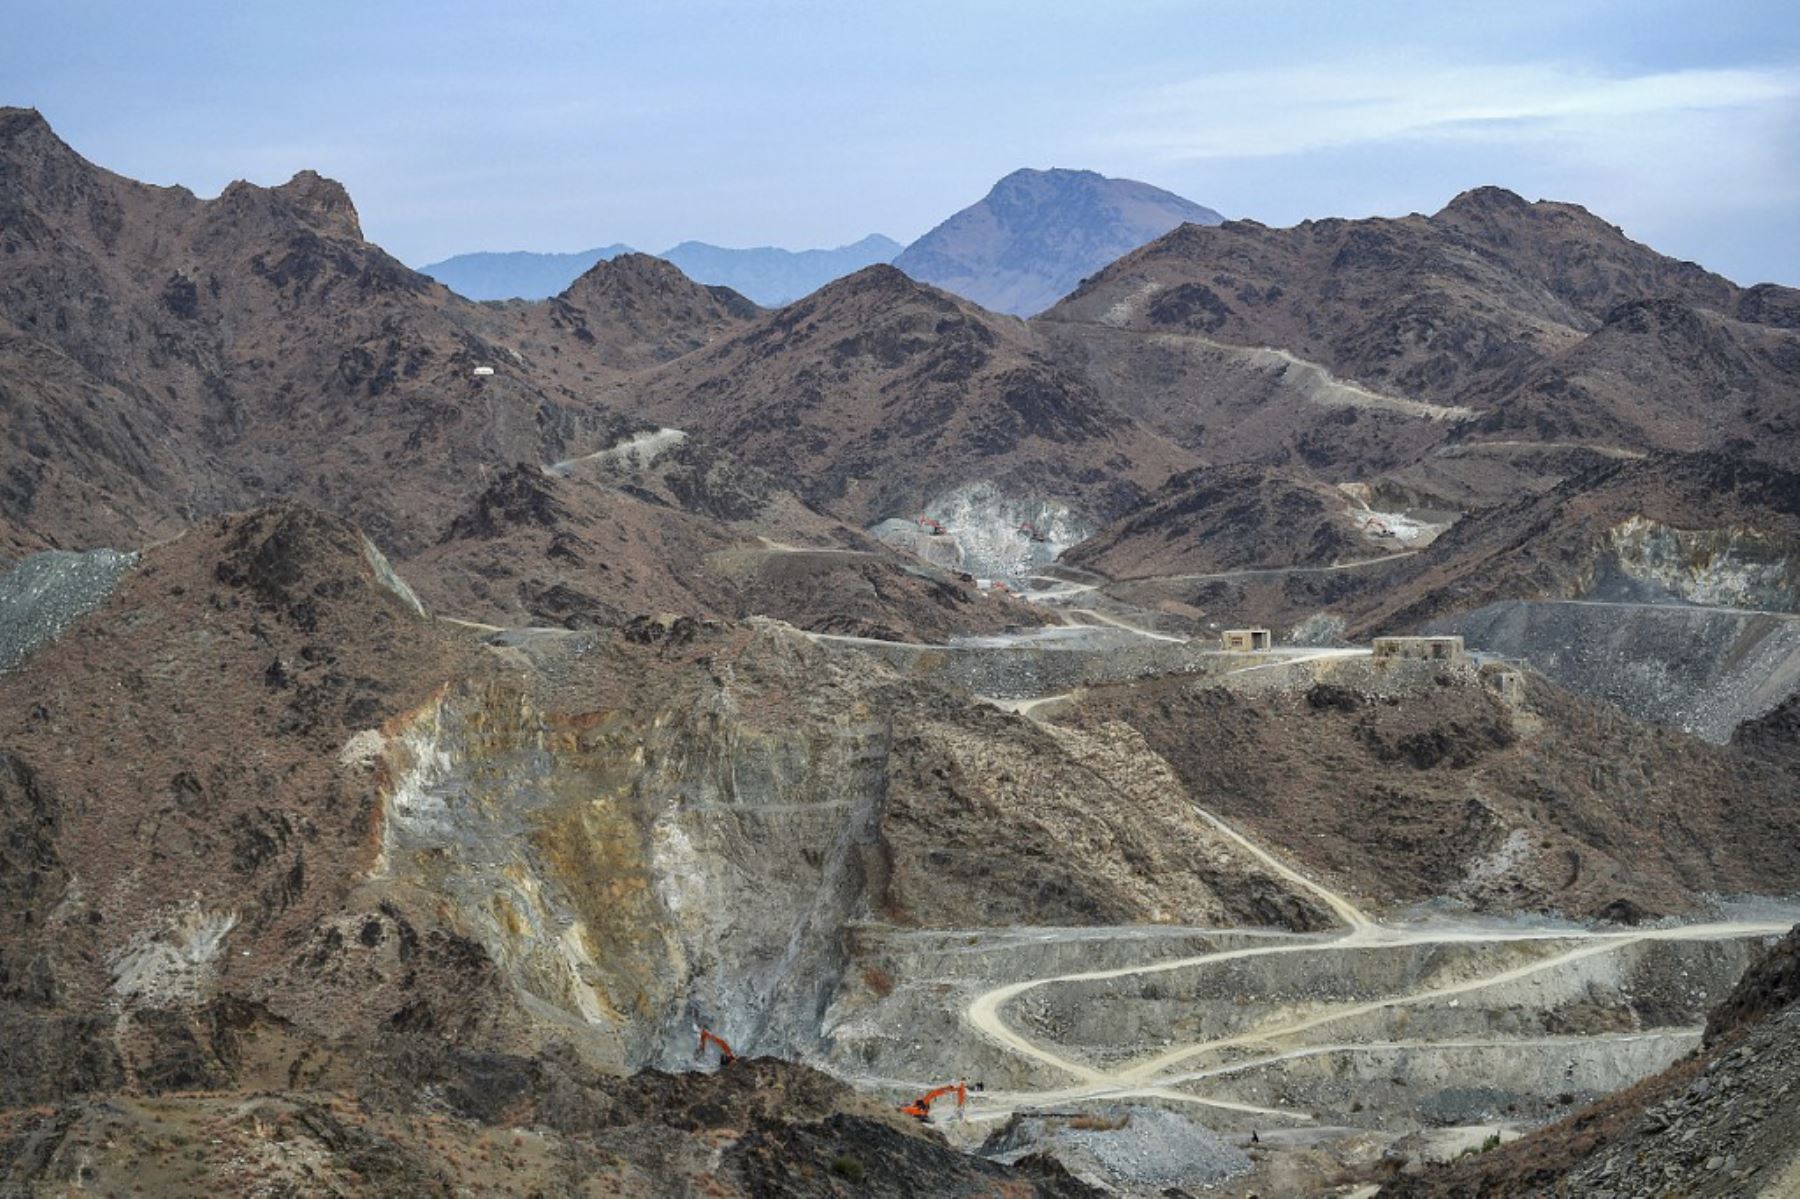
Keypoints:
pixel 1703 670
pixel 46 593
pixel 1124 1147
pixel 1037 234
pixel 1731 1132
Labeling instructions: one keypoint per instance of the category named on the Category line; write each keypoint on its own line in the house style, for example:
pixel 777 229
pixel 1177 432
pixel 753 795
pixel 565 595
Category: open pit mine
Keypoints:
pixel 1115 901
pixel 1311 713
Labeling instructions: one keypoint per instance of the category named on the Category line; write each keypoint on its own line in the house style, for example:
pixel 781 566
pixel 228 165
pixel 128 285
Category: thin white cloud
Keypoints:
pixel 1294 110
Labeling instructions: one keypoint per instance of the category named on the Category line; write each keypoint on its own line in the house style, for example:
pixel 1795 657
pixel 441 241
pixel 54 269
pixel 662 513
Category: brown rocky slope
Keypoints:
pixel 1495 321
pixel 1408 782
pixel 163 358
pixel 1227 518
pixel 876 394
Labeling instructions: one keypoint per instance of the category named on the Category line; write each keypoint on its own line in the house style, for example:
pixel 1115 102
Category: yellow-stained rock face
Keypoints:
pixel 1731 567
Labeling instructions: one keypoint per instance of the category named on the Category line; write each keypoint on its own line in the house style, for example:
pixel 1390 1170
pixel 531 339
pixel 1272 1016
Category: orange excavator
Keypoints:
pixel 930 526
pixel 726 1057
pixel 920 1108
pixel 1032 531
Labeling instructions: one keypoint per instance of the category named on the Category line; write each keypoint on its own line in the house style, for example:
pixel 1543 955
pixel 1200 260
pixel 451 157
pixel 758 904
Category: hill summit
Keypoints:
pixel 1037 234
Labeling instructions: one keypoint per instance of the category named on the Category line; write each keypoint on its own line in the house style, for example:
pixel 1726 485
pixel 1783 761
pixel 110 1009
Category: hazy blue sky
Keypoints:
pixel 463 126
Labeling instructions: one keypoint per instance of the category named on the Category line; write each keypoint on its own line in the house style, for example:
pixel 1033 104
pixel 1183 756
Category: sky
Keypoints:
pixel 559 126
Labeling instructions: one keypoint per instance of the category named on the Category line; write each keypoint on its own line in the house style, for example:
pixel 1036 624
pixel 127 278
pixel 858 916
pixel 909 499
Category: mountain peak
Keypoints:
pixel 1037 233
pixel 325 203
pixel 637 273
pixel 889 284
pixel 638 310
pixel 320 203
pixel 43 162
pixel 1486 199
pixel 1050 174
pixel 22 122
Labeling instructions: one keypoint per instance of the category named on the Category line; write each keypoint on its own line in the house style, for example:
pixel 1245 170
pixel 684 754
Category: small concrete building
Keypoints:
pixel 1431 649
pixel 1504 680
pixel 482 372
pixel 1244 641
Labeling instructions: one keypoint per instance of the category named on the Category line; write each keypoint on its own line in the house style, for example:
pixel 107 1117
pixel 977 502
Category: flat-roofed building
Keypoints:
pixel 1244 641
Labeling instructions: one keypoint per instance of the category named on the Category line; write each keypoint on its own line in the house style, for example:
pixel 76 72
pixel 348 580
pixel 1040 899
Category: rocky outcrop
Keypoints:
pixel 1734 567
pixel 497 1121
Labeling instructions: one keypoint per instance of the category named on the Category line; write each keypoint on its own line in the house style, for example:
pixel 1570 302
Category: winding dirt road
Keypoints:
pixel 1157 1076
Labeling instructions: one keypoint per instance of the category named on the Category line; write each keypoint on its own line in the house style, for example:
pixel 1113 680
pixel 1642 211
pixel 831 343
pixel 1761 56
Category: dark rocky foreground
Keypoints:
pixel 425 1121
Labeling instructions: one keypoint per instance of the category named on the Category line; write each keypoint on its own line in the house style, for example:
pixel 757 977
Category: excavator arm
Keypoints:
pixel 920 1108
pixel 726 1056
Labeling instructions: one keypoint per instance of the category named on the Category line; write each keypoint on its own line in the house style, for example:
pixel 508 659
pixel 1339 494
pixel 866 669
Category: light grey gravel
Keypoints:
pixel 46 593
pixel 1149 1146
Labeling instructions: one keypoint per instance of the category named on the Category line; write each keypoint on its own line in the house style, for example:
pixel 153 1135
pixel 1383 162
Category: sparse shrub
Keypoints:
pixel 847 1167
pixel 1492 1142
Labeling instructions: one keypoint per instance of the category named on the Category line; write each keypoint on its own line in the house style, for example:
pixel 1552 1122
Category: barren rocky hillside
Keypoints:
pixel 1405 783
pixel 1516 326
pixel 255 347
pixel 476 701
pixel 1218 519
pixel 1420 306
pixel 877 394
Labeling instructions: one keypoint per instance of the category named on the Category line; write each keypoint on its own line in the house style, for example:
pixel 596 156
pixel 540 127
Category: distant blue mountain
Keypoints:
pixel 1037 234
pixel 766 274
pixel 772 276
pixel 516 274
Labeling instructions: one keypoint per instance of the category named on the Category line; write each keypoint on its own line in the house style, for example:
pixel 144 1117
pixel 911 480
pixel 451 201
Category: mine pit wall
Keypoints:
pixel 1454 1084
pixel 1702 670
pixel 1733 567
pixel 1658 986
pixel 984 532
pixel 636 875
